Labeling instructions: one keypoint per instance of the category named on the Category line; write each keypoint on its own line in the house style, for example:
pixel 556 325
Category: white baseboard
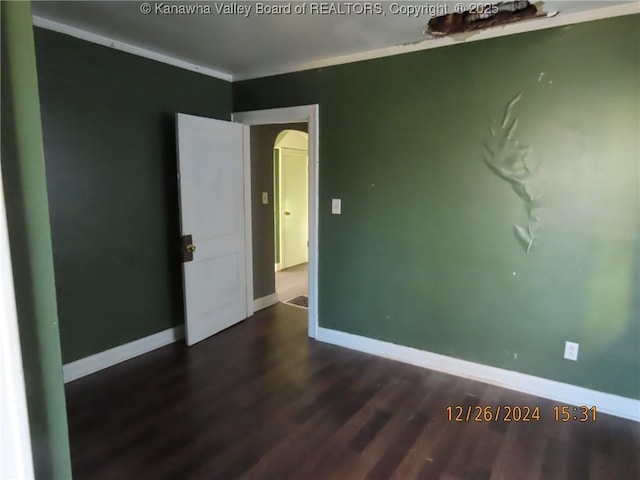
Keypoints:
pixel 264 302
pixel 628 408
pixel 93 363
pixel 99 361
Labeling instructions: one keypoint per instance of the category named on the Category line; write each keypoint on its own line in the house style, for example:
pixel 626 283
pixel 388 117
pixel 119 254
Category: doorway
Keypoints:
pixel 291 216
pixel 307 114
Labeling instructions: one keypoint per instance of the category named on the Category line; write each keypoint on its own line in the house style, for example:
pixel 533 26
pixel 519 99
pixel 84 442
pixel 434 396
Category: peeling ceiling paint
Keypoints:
pixel 243 43
pixel 483 16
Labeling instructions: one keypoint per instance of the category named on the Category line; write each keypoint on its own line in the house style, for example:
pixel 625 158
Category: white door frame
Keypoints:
pixel 307 114
pixel 15 437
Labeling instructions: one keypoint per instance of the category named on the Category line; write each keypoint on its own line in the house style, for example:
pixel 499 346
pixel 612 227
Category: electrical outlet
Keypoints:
pixel 571 350
pixel 265 198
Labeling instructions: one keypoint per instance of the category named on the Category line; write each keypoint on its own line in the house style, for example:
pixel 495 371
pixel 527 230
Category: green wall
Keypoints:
pixel 109 140
pixel 24 182
pixel 426 252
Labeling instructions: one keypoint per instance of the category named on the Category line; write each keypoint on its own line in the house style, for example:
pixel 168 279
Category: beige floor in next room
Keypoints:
pixel 292 282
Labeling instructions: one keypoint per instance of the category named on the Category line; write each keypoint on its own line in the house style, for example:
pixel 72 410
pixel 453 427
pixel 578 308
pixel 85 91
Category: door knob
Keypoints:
pixel 287 213
pixel 191 248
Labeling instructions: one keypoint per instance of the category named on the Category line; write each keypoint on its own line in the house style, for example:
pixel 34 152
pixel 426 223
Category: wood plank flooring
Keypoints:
pixel 262 401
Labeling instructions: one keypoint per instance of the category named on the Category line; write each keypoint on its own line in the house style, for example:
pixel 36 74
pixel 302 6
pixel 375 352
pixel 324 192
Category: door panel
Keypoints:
pixel 212 208
pixel 294 190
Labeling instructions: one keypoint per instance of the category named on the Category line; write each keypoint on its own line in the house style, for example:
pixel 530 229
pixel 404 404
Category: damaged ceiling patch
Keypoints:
pixel 481 16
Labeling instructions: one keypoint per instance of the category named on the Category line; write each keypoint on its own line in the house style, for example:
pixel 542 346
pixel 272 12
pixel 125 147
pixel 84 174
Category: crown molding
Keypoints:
pixel 539 23
pixel 127 47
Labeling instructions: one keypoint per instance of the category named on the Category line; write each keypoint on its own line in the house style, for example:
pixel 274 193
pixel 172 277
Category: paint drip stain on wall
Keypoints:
pixel 514 163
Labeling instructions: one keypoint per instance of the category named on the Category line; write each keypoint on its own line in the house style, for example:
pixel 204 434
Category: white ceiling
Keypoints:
pixel 245 47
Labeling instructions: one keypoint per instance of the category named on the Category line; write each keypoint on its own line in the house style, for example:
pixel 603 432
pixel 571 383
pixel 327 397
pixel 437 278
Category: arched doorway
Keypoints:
pixel 291 215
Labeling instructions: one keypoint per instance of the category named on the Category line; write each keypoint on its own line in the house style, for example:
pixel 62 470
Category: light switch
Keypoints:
pixel 265 198
pixel 336 206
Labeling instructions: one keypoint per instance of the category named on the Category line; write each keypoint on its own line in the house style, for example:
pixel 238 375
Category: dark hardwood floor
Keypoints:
pixel 260 400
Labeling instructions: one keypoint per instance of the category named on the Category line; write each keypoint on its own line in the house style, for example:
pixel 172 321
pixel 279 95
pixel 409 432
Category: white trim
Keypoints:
pixel 309 114
pixel 127 47
pixel 248 231
pixel 540 23
pixel 16 460
pixel 264 302
pixel 628 408
pixel 108 358
pixel 298 114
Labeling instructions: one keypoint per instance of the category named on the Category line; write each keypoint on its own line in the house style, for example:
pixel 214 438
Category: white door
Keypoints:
pixel 211 166
pixel 294 210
